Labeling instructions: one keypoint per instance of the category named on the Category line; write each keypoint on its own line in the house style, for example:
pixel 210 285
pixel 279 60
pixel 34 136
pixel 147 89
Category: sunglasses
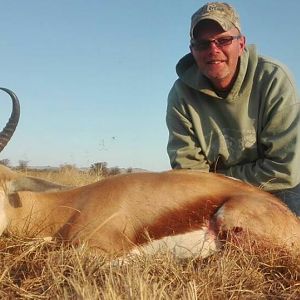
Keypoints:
pixel 200 45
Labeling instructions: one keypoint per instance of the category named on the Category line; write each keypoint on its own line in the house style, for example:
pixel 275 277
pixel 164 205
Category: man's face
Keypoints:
pixel 218 63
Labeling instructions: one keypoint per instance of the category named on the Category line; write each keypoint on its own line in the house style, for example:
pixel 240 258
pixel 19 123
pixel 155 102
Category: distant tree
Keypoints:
pixel 99 169
pixel 23 165
pixel 129 170
pixel 5 162
pixel 114 171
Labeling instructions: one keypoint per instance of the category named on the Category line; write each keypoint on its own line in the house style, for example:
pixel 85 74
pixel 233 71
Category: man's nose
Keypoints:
pixel 213 47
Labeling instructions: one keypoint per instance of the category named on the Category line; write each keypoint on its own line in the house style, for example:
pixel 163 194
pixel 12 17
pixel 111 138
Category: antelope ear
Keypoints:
pixel 35 185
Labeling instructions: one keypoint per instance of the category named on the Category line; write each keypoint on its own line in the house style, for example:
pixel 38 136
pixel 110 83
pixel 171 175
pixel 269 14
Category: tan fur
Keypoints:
pixel 119 213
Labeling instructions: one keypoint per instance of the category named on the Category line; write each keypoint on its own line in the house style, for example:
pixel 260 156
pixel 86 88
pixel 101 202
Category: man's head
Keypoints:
pixel 217 43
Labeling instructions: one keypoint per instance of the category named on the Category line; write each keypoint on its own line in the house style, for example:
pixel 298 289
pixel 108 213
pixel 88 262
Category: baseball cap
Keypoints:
pixel 221 12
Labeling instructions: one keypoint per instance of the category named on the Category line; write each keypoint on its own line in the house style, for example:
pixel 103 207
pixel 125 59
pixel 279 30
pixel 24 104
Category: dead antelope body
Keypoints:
pixel 119 214
pixel 187 212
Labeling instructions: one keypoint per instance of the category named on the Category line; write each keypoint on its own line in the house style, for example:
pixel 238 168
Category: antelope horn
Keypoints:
pixel 12 123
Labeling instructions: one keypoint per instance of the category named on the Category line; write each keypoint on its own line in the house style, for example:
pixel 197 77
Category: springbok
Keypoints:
pixel 187 212
pixel 120 214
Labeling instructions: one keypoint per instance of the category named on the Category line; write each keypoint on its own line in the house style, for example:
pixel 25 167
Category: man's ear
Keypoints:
pixel 242 43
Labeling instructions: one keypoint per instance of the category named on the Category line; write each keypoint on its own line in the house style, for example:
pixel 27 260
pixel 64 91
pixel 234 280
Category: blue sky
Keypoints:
pixel 93 76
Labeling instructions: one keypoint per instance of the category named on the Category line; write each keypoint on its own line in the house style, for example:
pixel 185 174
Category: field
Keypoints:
pixel 42 269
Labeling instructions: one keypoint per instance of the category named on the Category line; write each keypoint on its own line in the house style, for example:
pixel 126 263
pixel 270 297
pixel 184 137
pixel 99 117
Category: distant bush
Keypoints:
pixel 102 169
pixel 99 169
pixel 129 170
pixel 23 165
pixel 5 162
pixel 114 171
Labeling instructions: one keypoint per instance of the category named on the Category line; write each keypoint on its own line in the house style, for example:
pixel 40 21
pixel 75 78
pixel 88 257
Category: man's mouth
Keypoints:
pixel 215 62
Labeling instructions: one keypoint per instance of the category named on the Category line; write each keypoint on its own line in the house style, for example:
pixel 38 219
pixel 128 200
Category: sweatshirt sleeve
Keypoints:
pixel 183 149
pixel 278 139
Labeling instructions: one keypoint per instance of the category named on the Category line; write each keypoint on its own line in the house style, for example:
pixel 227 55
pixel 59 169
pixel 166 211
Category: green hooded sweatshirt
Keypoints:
pixel 252 134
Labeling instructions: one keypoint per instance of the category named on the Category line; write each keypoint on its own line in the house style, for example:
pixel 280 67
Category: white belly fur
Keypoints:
pixel 196 243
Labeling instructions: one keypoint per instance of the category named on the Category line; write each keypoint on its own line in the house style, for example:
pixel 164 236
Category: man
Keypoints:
pixel 233 111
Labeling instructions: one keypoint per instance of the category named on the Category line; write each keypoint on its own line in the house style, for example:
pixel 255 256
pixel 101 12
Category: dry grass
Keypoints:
pixel 66 176
pixel 39 269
